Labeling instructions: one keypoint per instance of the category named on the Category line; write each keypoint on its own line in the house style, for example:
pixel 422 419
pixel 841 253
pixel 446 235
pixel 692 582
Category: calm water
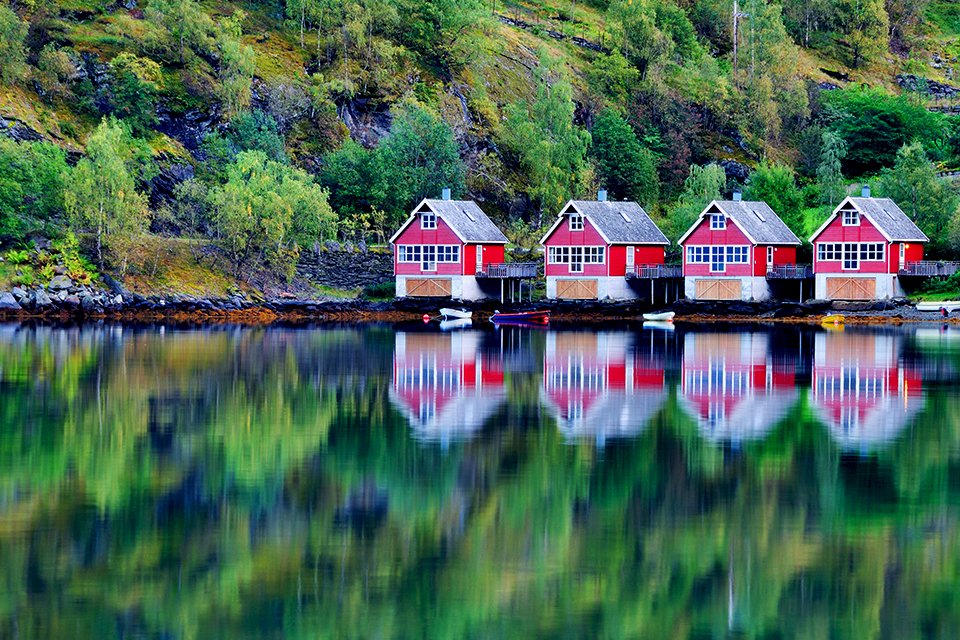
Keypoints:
pixel 380 483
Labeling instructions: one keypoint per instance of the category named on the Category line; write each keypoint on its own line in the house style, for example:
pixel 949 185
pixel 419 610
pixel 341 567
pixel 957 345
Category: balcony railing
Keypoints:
pixel 929 268
pixel 789 272
pixel 654 271
pixel 509 270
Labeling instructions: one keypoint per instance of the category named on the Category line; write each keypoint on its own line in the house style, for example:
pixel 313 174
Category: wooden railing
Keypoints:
pixel 930 268
pixel 789 272
pixel 654 271
pixel 509 270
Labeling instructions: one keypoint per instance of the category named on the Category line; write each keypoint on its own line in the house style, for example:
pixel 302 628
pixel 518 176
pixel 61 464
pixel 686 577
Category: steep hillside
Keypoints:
pixel 516 85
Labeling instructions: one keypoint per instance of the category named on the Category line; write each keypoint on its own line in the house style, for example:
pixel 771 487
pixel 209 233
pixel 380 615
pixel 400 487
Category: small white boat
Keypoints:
pixel 665 316
pixel 453 325
pixel 456 314
pixel 947 305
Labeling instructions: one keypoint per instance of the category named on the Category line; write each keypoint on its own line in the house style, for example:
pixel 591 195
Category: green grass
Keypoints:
pixel 936 297
pixel 333 292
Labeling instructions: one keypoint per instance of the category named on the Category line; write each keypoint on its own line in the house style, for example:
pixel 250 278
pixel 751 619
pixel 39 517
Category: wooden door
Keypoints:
pixel 577 289
pixel 717 289
pixel 429 287
pixel 851 288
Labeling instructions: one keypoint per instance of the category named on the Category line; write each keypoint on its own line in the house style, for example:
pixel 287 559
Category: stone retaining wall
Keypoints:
pixel 346 267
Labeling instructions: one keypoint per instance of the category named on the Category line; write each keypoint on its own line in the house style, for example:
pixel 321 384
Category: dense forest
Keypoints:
pixel 245 132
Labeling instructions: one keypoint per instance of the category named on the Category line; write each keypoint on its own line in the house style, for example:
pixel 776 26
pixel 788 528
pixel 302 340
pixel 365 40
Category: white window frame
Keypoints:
pixel 829 252
pixel 718 222
pixel 903 255
pixel 718 258
pixel 851 217
pixel 769 256
pixel 851 256
pixel 428 257
pixel 872 252
pixel 428 220
pixel 576 222
pixel 631 257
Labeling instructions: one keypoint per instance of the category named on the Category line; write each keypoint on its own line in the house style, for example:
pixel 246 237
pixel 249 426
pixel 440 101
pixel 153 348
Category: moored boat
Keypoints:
pixel 521 317
pixel 456 314
pixel 832 319
pixel 664 316
pixel 944 307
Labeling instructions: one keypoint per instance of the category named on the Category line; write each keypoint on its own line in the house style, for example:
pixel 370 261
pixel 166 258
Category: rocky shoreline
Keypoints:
pixel 64 299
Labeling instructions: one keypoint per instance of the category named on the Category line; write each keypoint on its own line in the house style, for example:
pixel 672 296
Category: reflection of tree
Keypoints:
pixel 258 483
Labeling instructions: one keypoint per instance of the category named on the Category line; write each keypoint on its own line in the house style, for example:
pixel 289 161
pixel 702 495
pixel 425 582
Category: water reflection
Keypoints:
pixel 733 387
pixel 366 482
pixel 445 385
pixel 862 389
pixel 599 385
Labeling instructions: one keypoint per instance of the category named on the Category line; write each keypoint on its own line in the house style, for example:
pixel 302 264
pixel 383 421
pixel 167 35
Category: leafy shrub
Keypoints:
pixel 381 291
pixel 19 256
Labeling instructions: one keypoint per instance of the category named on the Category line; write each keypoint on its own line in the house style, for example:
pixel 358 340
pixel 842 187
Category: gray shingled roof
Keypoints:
pixel 467 220
pixel 758 221
pixel 890 218
pixel 606 216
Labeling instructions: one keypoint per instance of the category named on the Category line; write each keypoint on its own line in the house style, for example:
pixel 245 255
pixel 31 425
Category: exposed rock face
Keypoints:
pixel 60 283
pixel 736 171
pixel 188 128
pixel 346 269
pixel 17 130
pixel 932 88
pixel 8 302
pixel 169 176
pixel 367 122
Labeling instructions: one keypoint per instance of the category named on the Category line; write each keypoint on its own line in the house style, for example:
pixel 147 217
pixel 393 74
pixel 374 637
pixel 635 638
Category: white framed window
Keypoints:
pixel 851 256
pixel 718 222
pixel 428 258
pixel 769 256
pixel 408 253
pixel 718 261
pixel 738 254
pixel 871 252
pixel 851 218
pixel 698 255
pixel 428 220
pixel 576 255
pixel 576 222
pixel 829 251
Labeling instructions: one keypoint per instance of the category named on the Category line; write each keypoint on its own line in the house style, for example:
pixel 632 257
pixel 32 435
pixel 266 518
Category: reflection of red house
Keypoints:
pixel 861 390
pixel 730 384
pixel 598 387
pixel 443 384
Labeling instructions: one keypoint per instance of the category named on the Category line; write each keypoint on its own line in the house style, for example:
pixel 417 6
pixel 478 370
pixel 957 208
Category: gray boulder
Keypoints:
pixel 72 301
pixel 88 303
pixel 19 293
pixel 8 302
pixel 60 283
pixel 41 299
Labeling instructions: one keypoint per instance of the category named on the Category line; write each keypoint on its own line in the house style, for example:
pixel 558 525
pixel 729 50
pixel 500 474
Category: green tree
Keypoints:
pixel 267 211
pixel 551 148
pixel 441 30
pixel 776 185
pixel 874 125
pixel 702 186
pixel 613 77
pixel 864 23
pixel 102 192
pixel 13 53
pixel 135 84
pixel 31 185
pixel 624 166
pixel 349 175
pixel 185 23
pixel 929 201
pixel 652 32
pixel 417 159
pixel 829 170
pixel 238 62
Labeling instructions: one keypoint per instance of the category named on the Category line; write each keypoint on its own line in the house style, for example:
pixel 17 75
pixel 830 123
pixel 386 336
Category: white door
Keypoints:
pixel 769 257
pixel 903 256
pixel 479 258
pixel 631 258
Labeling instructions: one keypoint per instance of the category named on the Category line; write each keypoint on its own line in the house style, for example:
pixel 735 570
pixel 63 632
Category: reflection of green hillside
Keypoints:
pixel 232 484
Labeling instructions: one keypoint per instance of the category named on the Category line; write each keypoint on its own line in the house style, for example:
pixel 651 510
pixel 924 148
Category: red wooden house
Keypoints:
pixel 595 245
pixel 733 388
pixel 861 388
pixel 444 385
pixel 730 249
pixel 442 246
pixel 599 387
pixel 862 246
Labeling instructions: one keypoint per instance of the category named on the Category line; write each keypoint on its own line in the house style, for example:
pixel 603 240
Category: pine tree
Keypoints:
pixel 829 173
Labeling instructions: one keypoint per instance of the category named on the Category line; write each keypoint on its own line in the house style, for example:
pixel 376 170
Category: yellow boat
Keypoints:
pixel 834 319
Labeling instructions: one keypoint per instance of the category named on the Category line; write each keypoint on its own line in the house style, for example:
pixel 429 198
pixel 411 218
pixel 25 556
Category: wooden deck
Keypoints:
pixel 790 272
pixel 929 268
pixel 654 271
pixel 505 270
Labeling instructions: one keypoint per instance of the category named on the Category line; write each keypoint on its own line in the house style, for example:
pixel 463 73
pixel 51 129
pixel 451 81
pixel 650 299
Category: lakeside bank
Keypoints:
pixel 86 303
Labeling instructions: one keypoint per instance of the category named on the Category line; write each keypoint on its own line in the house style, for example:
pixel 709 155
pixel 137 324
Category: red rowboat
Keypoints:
pixel 521 317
